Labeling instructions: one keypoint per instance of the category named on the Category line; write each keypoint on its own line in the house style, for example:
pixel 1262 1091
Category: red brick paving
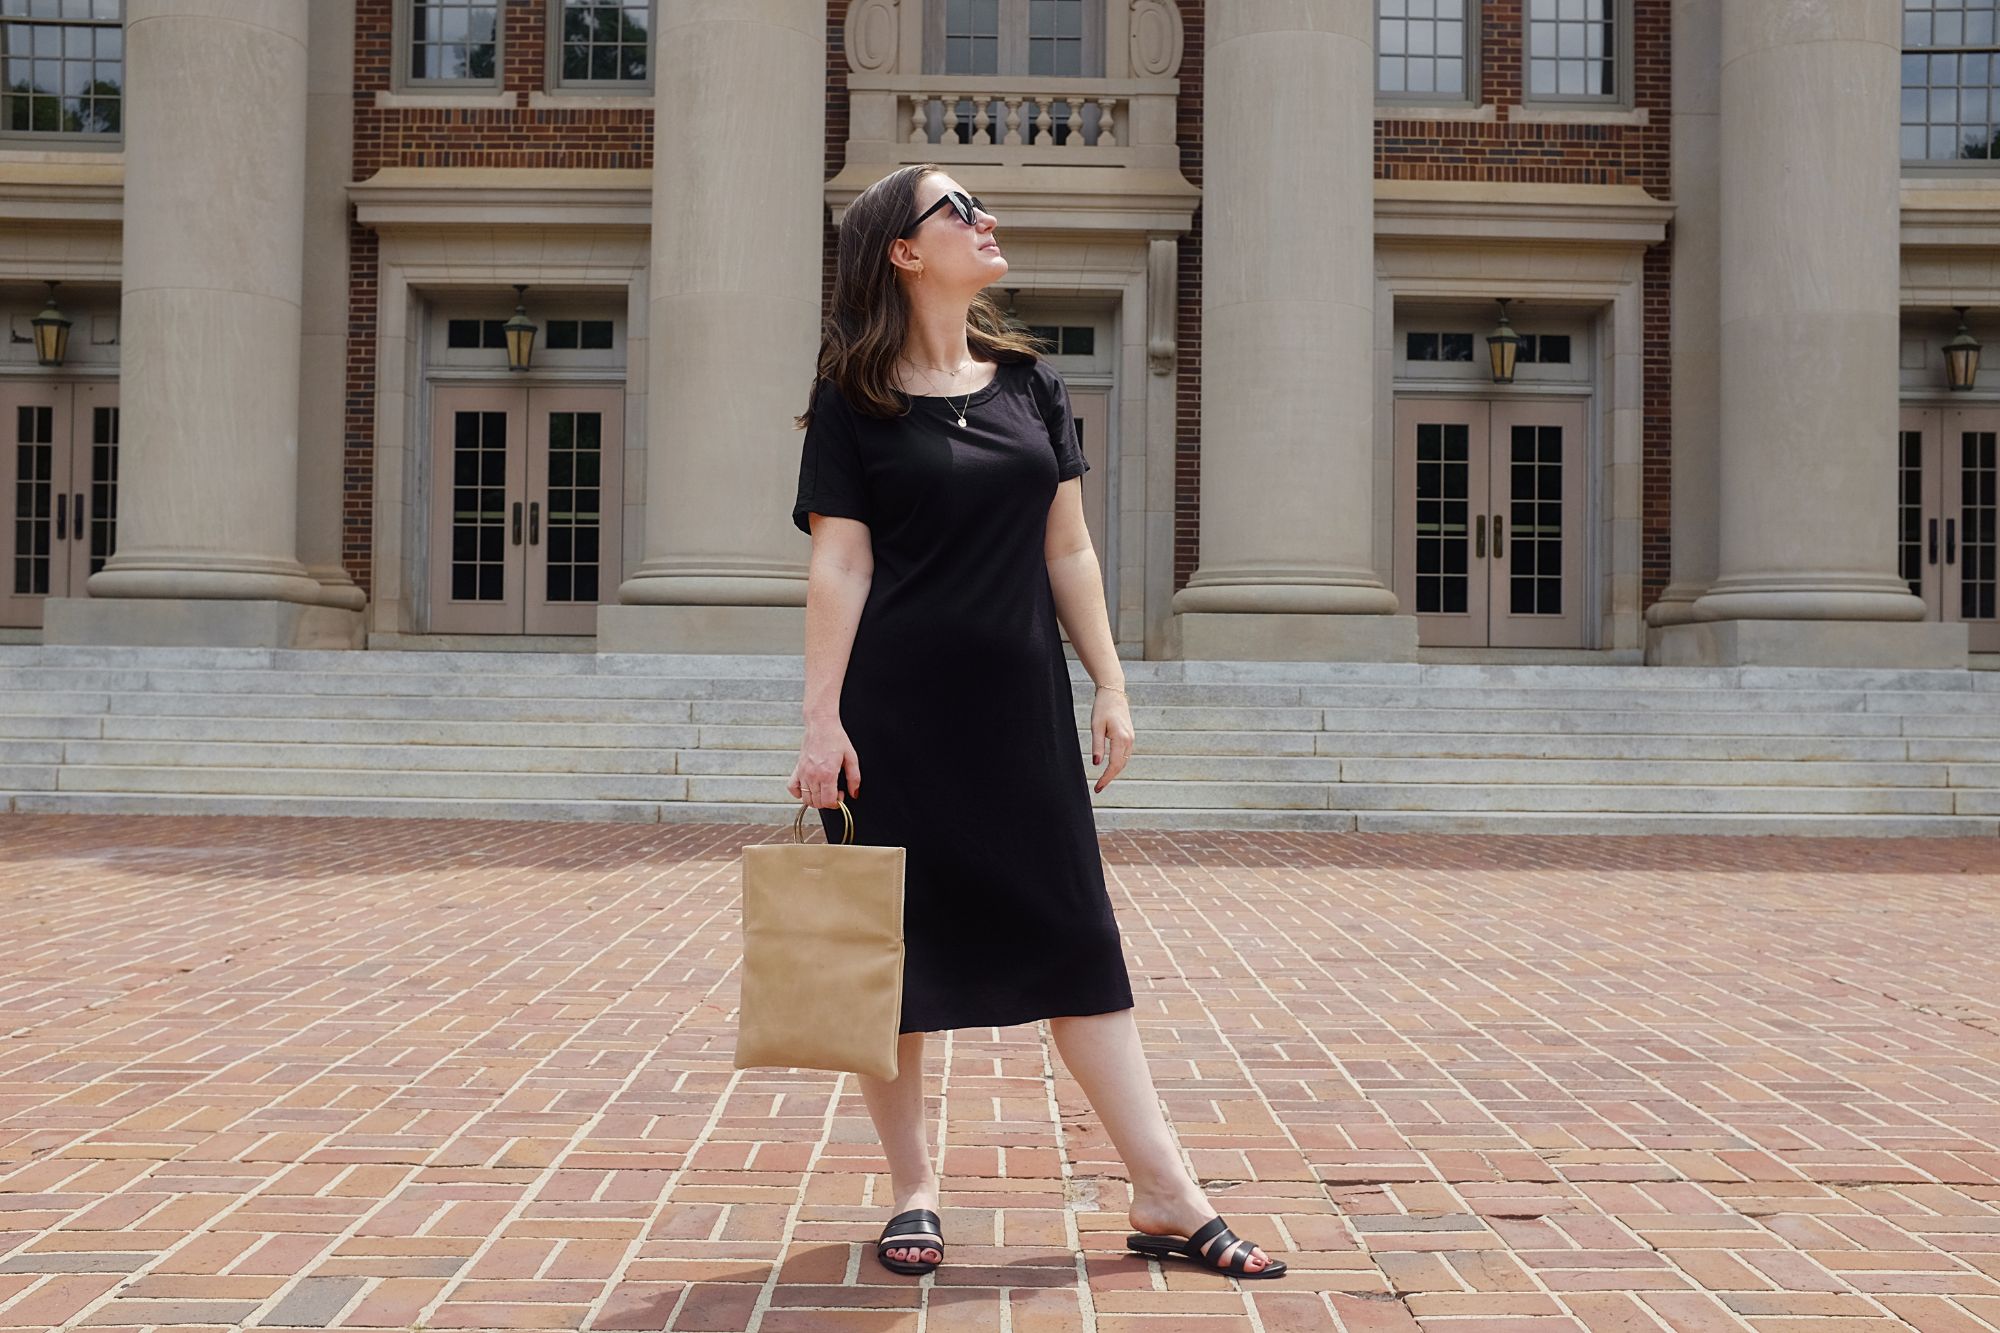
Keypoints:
pixel 387 1075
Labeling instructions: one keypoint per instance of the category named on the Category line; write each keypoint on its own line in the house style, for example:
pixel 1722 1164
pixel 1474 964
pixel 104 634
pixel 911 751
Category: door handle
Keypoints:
pixel 1934 541
pixel 517 522
pixel 76 524
pixel 534 522
pixel 1498 550
pixel 1479 537
pixel 1951 541
pixel 62 518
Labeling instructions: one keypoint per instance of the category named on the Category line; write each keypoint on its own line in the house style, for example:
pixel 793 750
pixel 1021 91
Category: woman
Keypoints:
pixel 939 482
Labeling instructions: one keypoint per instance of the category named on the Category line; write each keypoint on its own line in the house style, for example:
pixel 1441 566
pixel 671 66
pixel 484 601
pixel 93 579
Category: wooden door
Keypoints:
pixel 1490 522
pixel 1535 525
pixel 61 471
pixel 1920 506
pixel 478 528
pixel 1091 410
pixel 576 452
pixel 1441 489
pixel 1970 506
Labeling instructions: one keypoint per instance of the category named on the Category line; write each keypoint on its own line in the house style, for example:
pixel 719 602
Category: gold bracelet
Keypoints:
pixel 1120 688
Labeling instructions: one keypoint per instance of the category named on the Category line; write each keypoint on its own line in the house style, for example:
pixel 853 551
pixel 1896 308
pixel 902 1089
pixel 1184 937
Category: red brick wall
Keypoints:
pixel 1405 149
pixel 452 137
pixel 1571 154
pixel 1187 336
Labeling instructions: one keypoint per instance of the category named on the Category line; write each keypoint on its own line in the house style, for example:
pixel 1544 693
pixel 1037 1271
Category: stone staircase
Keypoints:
pixel 1272 745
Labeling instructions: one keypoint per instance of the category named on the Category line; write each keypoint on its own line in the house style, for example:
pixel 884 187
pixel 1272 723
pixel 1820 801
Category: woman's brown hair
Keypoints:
pixel 864 330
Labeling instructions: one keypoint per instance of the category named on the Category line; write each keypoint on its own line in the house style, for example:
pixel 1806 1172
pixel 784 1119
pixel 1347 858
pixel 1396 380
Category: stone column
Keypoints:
pixel 215 144
pixel 323 347
pixel 1806 571
pixel 738 211
pixel 1697 177
pixel 1288 348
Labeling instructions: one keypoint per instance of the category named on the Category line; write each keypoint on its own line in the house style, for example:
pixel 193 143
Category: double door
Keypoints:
pixel 62 483
pixel 1490 522
pixel 525 501
pixel 1946 509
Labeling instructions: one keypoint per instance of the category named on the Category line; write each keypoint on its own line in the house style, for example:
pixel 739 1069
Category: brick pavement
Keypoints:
pixel 392 1075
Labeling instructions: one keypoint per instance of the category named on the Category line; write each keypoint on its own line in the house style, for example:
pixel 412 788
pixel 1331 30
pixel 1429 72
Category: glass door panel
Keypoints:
pixel 576 451
pixel 93 481
pixel 1971 582
pixel 61 522
pixel 477 525
pixel 1442 574
pixel 1946 536
pixel 1490 522
pixel 1536 525
pixel 1920 506
pixel 1090 409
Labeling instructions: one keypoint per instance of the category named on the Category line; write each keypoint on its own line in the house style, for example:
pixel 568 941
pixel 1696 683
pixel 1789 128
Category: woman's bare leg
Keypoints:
pixel 1102 1052
pixel 897 1108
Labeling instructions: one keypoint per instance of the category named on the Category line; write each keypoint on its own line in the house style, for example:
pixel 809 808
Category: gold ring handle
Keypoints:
pixel 799 822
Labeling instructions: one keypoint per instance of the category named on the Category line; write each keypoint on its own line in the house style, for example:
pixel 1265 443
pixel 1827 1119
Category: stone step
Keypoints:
pixel 257 686
pixel 404 661
pixel 773 823
pixel 1126 792
pixel 776 762
pixel 458 785
pixel 1145 717
pixel 592 735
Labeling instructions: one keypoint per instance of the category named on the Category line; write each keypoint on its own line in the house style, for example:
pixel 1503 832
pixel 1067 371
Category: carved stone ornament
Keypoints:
pixel 1156 39
pixel 870 35
pixel 1162 302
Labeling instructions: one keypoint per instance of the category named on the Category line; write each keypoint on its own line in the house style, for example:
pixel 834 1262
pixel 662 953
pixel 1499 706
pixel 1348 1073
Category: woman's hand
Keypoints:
pixel 823 754
pixel 1110 735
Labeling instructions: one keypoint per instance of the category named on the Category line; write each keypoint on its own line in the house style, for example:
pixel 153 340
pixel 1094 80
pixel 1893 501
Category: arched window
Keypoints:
pixel 1036 38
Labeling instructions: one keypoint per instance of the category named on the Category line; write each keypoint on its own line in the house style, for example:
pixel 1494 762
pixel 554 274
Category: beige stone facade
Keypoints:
pixel 1267 280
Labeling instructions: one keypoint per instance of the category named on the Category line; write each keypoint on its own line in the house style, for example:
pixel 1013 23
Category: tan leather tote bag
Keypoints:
pixel 822 954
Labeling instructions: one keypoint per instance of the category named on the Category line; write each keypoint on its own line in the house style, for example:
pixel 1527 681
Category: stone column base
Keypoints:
pixel 1297 637
pixel 1810 643
pixel 200 623
pixel 623 628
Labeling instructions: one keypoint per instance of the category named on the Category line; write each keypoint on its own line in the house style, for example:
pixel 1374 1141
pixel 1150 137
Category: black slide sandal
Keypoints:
pixel 910 1231
pixel 1214 1247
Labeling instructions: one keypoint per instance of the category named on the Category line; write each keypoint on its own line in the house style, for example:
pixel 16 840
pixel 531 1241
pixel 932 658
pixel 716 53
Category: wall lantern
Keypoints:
pixel 520 332
pixel 1502 345
pixel 51 332
pixel 1010 317
pixel 1961 356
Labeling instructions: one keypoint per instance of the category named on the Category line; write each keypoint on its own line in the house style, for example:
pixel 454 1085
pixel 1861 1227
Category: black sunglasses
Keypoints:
pixel 965 205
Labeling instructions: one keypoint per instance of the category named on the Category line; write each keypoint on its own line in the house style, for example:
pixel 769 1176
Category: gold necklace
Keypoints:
pixel 959 412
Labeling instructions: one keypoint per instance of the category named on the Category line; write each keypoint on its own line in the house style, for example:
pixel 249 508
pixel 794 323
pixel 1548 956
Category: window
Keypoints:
pixel 570 335
pixel 1575 49
pixel 1439 347
pixel 1548 349
pixel 603 44
pixel 450 42
pixel 1036 38
pixel 63 66
pixel 1951 80
pixel 1422 48
pixel 1065 339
